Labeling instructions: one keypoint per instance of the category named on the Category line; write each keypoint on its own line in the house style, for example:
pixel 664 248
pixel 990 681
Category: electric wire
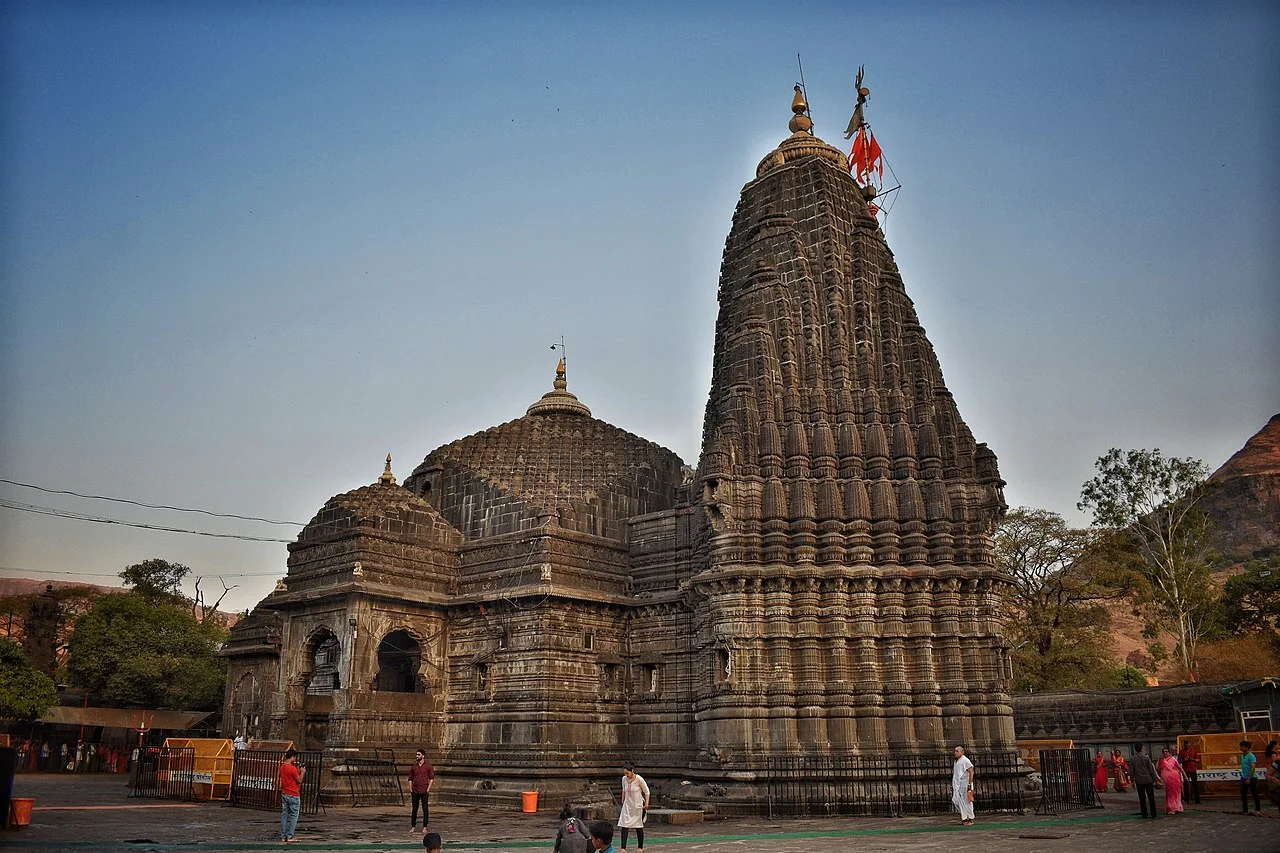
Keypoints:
pixel 152 506
pixel 58 513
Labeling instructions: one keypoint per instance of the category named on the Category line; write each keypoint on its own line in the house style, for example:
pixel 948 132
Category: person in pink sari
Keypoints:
pixel 1099 773
pixel 1172 775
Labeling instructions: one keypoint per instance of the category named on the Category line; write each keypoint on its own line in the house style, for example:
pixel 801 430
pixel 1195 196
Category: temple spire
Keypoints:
pixel 387 477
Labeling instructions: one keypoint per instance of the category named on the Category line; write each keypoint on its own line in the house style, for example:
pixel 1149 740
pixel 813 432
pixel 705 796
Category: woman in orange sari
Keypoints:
pixel 1099 773
pixel 1121 771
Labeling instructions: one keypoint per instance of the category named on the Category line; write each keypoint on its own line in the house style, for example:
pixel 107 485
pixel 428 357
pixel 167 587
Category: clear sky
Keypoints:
pixel 248 249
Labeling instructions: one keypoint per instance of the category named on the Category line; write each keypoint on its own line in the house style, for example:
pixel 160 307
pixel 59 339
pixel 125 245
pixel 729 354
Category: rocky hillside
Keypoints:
pixel 1245 500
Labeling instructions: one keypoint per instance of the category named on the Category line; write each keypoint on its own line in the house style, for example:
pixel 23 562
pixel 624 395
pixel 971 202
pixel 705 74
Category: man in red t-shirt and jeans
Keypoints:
pixel 421 777
pixel 290 783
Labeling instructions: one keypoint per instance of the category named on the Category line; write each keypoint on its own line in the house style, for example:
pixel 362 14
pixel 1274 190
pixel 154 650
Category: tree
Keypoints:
pixel 1057 604
pixel 155 578
pixel 73 601
pixel 1251 599
pixel 25 692
pixel 1155 502
pixel 140 650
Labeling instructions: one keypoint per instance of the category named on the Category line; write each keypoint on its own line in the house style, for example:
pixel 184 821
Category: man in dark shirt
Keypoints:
pixel 421 777
pixel 1144 774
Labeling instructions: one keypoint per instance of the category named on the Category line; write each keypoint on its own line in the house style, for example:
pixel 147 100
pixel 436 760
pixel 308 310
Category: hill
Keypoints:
pixel 1245 499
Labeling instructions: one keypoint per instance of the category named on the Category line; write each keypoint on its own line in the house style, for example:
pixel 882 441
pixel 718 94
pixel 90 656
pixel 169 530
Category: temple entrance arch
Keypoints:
pixel 320 663
pixel 399 660
pixel 246 708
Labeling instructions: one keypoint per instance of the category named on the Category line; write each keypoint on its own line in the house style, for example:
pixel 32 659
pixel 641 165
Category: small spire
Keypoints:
pixel 800 122
pixel 387 477
pixel 559 400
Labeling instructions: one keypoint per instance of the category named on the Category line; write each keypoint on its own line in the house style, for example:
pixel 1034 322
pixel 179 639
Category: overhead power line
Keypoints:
pixel 59 513
pixel 117 574
pixel 152 506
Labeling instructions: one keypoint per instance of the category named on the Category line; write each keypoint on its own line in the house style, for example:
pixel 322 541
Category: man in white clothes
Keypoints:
pixel 962 786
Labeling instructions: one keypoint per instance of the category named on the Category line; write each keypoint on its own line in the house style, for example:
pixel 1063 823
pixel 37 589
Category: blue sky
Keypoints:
pixel 249 251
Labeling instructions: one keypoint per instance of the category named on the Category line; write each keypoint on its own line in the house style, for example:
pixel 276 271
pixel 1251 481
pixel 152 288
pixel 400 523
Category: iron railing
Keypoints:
pixel 371 777
pixel 255 774
pixel 886 785
pixel 163 773
pixel 1066 779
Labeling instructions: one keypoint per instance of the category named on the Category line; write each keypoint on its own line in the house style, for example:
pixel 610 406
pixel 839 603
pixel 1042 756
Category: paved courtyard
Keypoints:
pixel 91 813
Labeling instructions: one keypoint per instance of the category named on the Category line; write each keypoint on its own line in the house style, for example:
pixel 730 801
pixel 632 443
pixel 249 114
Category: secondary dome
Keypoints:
pixel 557 464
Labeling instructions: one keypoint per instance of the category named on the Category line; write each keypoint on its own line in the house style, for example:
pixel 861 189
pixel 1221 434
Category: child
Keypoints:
pixel 573 835
pixel 1248 782
pixel 431 841
pixel 602 836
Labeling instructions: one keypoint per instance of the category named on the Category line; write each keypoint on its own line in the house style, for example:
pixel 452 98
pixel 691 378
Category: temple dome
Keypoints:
pixel 381 506
pixel 556 464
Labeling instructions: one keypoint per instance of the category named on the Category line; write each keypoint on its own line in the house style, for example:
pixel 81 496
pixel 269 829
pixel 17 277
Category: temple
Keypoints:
pixel 549 596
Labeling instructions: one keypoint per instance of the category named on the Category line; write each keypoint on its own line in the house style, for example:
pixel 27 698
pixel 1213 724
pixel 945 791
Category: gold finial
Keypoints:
pixel 559 400
pixel 799 122
pixel 387 476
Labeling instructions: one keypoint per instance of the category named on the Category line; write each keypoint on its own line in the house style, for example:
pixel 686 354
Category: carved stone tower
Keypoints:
pixel 850 593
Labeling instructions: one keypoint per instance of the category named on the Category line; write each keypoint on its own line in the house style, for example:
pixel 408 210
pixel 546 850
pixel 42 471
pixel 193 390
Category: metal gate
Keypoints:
pixel 886 785
pixel 163 773
pixel 254 776
pixel 1066 778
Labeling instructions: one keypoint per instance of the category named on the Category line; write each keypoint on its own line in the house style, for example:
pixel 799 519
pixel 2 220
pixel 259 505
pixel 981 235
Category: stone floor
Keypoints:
pixel 83 812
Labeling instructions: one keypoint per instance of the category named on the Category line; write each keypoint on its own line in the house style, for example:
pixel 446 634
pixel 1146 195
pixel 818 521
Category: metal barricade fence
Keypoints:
pixel 163 773
pixel 887 785
pixel 371 777
pixel 1066 779
pixel 255 774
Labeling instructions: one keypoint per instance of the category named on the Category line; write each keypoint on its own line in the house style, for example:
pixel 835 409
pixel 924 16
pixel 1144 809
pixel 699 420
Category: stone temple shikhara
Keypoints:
pixel 549 596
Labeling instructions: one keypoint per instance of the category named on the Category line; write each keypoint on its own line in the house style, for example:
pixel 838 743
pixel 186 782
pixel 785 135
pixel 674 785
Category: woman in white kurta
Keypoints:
pixel 962 786
pixel 635 805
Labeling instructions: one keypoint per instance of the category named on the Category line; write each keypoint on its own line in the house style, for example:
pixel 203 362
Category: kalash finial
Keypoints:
pixel 560 400
pixel 800 122
pixel 387 477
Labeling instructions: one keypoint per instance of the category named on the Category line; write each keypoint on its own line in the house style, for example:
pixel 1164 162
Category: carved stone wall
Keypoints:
pixel 555 594
pixel 846 506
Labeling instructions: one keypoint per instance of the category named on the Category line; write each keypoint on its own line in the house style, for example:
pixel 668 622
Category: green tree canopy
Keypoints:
pixel 155 578
pixel 136 650
pixel 1251 599
pixel 1153 501
pixel 25 692
pixel 1057 606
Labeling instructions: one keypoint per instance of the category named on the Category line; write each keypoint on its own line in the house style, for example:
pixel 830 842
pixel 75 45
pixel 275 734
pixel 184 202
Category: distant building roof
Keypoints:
pixel 123 718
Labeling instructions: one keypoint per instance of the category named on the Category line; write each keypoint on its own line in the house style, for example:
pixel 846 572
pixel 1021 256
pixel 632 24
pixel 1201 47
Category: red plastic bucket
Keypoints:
pixel 528 801
pixel 20 811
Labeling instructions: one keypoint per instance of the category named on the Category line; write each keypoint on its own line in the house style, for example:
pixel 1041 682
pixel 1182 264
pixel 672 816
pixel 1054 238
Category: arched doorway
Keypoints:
pixel 324 653
pixel 246 708
pixel 399 657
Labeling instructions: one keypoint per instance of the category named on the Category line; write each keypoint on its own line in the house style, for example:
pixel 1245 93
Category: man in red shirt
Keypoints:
pixel 421 777
pixel 1190 758
pixel 290 785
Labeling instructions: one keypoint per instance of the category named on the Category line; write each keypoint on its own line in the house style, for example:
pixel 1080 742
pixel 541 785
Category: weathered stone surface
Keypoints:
pixel 554 594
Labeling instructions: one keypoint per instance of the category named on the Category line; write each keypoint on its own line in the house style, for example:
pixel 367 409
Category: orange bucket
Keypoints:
pixel 20 811
pixel 528 801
